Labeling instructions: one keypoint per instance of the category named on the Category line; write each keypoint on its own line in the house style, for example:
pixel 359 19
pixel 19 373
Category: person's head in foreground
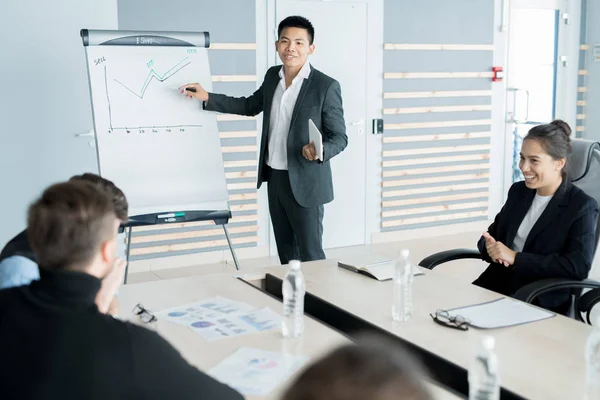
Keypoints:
pixel 118 197
pixel 18 262
pixel 368 370
pixel 56 342
pixel 73 226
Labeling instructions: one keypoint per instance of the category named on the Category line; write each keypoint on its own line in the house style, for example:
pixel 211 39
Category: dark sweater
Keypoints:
pixel 54 344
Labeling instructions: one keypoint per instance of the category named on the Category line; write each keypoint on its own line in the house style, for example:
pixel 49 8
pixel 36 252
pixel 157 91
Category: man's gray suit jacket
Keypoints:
pixel 320 99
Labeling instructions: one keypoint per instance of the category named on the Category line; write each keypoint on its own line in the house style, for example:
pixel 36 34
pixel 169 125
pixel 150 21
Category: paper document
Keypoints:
pixel 256 372
pixel 262 320
pixel 219 317
pixel 315 136
pixel 500 313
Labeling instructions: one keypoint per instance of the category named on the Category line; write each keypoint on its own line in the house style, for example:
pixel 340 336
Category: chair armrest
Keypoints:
pixel 587 302
pixel 436 259
pixel 529 292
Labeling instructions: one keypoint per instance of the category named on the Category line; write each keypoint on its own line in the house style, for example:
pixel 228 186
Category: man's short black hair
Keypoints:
pixel 297 21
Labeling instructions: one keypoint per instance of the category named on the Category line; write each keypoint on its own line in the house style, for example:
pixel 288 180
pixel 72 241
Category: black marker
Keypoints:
pixel 190 89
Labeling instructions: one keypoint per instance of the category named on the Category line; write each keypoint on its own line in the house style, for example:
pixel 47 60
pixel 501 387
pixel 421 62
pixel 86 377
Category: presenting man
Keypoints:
pixel 299 184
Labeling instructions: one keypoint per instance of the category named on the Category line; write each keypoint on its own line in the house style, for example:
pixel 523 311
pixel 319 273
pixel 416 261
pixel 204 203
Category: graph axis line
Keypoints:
pixel 156 127
pixel 108 99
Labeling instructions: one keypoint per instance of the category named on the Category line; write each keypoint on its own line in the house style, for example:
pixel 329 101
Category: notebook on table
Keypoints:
pixel 373 265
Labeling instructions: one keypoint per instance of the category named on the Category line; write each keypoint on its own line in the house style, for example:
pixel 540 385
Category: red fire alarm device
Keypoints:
pixel 498 74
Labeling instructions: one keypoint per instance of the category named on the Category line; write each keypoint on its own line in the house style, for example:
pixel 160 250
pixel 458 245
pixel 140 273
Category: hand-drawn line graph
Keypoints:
pixel 161 78
pixel 152 75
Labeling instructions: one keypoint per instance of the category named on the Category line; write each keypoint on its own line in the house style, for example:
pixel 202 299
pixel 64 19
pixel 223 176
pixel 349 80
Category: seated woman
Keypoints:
pixel 546 228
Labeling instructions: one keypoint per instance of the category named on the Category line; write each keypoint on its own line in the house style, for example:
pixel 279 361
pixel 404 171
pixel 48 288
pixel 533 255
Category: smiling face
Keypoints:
pixel 294 47
pixel 540 170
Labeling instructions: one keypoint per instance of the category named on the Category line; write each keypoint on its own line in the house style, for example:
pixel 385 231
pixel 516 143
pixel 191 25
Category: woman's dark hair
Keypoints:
pixel 297 22
pixel 554 139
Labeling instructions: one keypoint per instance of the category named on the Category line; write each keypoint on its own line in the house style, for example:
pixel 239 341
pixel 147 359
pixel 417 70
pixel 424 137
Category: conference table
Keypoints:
pixel 538 360
pixel 155 296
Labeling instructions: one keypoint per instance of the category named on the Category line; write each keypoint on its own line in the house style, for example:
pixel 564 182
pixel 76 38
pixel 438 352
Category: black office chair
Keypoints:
pixel 586 304
pixel 585 170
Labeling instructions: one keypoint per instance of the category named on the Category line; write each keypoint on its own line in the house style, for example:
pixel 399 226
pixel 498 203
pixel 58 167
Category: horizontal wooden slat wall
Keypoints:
pixel 437 113
pixel 583 72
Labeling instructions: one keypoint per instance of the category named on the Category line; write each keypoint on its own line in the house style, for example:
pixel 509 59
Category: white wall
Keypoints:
pixel 44 99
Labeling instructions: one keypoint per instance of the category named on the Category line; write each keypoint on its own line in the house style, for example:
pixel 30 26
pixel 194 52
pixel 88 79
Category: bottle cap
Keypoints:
pixel 488 342
pixel 294 264
pixel 404 253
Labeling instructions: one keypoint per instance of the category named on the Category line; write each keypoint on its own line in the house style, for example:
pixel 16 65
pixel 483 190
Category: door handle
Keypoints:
pixel 360 122
pixel 86 134
pixel 90 134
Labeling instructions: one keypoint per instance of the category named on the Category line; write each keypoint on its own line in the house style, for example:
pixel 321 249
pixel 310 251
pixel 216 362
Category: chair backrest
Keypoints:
pixel 585 170
pixel 585 174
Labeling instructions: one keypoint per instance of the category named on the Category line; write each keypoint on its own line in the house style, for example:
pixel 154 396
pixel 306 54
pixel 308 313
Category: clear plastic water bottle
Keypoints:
pixel 592 363
pixel 293 291
pixel 484 375
pixel 403 280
